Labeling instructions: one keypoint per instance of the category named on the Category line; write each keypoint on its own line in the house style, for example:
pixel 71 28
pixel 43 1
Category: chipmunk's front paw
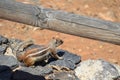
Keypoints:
pixel 60 58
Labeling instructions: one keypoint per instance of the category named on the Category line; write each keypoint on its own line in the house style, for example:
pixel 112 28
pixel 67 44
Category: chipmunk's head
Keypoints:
pixel 56 42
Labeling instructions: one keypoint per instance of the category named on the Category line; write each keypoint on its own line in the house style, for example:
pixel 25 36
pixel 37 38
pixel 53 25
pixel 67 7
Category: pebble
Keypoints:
pixel 1 25
pixel 3 40
pixel 110 51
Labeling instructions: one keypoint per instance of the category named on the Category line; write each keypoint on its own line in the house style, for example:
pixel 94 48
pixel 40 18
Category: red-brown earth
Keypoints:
pixel 87 48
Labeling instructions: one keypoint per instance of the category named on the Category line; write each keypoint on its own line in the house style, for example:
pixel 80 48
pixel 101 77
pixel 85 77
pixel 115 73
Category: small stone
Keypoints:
pixel 9 52
pixel 3 48
pixel 86 6
pixel 80 50
pixel 3 40
pixel 26 2
pixel 14 41
pixel 100 46
pixel 110 51
pixel 37 28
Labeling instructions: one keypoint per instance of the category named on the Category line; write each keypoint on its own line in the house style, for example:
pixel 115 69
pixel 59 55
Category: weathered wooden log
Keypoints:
pixel 60 21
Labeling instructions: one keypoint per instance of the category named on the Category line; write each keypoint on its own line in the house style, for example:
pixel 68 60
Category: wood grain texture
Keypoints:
pixel 60 21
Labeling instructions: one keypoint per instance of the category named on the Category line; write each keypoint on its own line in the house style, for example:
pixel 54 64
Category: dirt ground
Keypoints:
pixel 86 48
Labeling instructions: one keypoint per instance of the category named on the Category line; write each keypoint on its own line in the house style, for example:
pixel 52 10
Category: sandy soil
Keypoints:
pixel 87 48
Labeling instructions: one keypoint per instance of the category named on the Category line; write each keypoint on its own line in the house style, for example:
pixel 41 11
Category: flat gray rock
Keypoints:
pixel 62 76
pixel 69 56
pixel 9 61
pixel 64 63
pixel 70 60
pixel 96 70
pixel 3 48
pixel 38 70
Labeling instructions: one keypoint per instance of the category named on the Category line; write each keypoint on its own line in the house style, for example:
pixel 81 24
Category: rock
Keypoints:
pixel 5 73
pixel 3 40
pixel 3 44
pixel 64 63
pixel 117 67
pixel 13 43
pixel 69 56
pixel 96 70
pixel 33 46
pixel 21 75
pixel 37 70
pixel 9 61
pixel 3 48
pixel 116 78
pixel 12 40
pixel 62 76
pixel 70 60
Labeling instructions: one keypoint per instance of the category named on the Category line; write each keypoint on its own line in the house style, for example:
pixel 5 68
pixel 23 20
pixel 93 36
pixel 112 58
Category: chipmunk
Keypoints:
pixel 29 57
